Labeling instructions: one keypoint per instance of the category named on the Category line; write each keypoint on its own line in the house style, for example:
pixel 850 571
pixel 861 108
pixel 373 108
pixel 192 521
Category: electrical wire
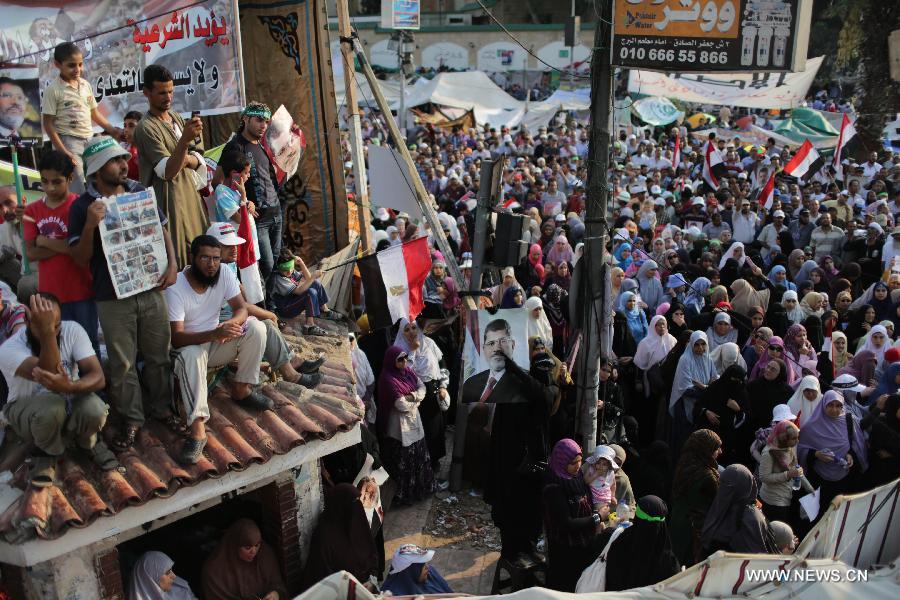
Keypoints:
pixel 571 73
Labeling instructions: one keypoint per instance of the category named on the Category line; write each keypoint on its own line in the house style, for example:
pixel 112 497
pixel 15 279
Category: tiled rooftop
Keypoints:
pixel 239 439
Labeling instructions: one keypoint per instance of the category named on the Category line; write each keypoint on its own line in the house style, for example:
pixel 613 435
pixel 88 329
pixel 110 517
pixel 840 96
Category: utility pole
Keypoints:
pixel 356 145
pixel 594 311
pixel 401 110
pixel 489 184
pixel 572 50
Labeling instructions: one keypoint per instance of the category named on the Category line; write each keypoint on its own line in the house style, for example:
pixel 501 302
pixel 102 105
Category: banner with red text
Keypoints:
pixel 199 42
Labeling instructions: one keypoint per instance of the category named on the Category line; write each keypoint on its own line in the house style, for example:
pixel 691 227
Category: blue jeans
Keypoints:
pixel 310 301
pixel 269 230
pixel 83 312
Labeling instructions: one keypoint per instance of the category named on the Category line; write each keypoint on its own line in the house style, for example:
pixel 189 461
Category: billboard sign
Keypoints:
pixel 400 14
pixel 711 35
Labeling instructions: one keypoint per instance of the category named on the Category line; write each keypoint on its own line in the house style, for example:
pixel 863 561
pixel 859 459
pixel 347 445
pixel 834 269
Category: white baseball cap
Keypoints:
pixel 655 190
pixel 846 382
pixel 225 233
pixel 778 213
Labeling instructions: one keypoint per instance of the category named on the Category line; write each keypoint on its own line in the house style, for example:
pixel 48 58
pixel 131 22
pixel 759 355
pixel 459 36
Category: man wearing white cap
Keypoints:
pixel 129 324
pixel 278 354
pixel 200 341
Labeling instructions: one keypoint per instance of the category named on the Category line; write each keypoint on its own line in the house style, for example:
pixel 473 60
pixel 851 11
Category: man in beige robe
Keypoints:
pixel 170 161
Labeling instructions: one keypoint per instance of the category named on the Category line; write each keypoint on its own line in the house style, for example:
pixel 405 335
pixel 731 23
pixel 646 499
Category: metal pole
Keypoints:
pixel 20 200
pixel 595 227
pixel 356 145
pixel 572 52
pixel 401 111
pixel 482 217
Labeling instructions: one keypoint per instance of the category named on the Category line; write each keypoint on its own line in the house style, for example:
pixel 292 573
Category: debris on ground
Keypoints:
pixel 463 520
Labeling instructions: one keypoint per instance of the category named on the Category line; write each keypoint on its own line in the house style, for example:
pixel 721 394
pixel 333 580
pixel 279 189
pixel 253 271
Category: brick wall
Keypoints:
pixel 106 567
pixel 13 581
pixel 279 502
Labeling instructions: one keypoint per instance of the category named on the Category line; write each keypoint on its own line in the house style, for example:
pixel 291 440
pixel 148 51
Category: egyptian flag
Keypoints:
pixel 393 279
pixel 511 204
pixel 767 193
pixel 676 156
pixel 712 166
pixel 248 257
pixel 847 133
pixel 805 162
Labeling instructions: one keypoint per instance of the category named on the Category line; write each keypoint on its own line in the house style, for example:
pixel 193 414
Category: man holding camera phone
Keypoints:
pixel 171 161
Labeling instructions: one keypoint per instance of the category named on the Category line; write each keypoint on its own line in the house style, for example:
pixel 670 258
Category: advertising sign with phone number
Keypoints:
pixel 711 35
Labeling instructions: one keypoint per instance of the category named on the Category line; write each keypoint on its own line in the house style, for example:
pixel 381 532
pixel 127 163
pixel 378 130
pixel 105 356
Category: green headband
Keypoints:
pixel 287 265
pixel 262 112
pixel 640 514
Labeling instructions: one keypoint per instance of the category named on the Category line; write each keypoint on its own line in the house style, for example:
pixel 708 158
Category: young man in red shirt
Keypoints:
pixel 46 224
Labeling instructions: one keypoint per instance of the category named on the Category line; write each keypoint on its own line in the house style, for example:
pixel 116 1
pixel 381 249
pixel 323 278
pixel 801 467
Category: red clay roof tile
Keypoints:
pixel 237 439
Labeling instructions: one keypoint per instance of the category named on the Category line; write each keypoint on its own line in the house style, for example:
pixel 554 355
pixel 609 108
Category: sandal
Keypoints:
pixel 257 401
pixel 307 366
pixel 191 451
pixel 43 471
pixel 102 456
pixel 307 380
pixel 173 423
pixel 333 315
pixel 314 330
pixel 126 438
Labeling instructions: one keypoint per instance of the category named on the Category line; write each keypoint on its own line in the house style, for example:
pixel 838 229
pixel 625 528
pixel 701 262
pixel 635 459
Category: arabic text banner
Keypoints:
pixel 711 35
pixel 758 90
pixel 200 45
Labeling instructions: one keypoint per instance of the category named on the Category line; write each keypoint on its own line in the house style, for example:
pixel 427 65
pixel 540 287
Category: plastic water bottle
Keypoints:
pixel 796 483
pixel 623 512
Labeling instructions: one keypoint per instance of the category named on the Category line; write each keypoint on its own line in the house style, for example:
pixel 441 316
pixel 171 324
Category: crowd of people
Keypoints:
pixel 753 345
pixel 754 354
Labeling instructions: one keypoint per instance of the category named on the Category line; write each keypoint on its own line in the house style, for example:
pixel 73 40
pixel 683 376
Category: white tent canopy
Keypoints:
pixel 365 97
pixel 858 532
pixel 469 89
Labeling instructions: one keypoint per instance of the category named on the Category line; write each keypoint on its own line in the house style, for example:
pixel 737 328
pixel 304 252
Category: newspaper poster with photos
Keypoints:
pixel 133 242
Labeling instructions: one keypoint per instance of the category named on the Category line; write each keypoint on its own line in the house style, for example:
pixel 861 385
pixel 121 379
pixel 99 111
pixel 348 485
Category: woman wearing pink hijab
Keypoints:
pixel 530 271
pixel 561 251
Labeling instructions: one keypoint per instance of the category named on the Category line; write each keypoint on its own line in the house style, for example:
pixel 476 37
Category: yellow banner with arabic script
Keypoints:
pixel 695 18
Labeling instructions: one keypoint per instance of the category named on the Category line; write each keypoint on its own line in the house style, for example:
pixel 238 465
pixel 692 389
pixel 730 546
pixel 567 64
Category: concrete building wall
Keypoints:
pixel 474 40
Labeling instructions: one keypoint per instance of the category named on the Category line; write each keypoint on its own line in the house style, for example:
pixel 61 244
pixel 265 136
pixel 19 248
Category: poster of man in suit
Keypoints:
pixel 490 339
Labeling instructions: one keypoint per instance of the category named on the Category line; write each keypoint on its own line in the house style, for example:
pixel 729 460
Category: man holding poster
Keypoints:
pixel 521 409
pixel 129 324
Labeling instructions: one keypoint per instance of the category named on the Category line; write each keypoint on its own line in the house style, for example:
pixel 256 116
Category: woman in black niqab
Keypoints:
pixel 342 540
pixel 648 536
